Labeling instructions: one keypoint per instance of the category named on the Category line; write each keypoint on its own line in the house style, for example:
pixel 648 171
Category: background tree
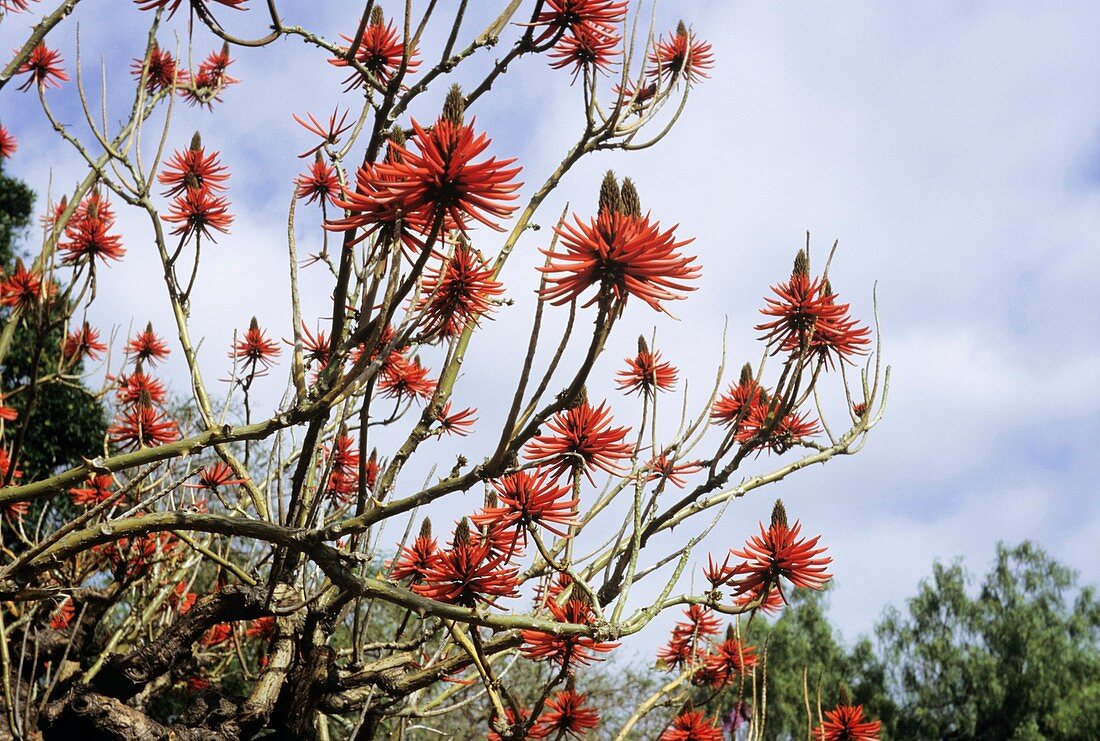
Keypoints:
pixel 1021 660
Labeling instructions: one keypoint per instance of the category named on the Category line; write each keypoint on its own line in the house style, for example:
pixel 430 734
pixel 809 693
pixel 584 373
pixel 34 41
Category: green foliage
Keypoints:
pixel 1019 661
pixel 66 421
pixel 1019 658
pixel 805 657
pixel 16 207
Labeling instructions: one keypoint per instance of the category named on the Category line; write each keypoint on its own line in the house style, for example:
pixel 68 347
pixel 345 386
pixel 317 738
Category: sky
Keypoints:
pixel 953 150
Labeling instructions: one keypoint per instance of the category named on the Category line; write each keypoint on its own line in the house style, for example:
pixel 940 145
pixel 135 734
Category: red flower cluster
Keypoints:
pixel 681 54
pixel 173 5
pixel 147 347
pixel 582 437
pixel 457 292
pixel 664 468
pixel 686 646
pixel 64 615
pixel 441 186
pixel 468 572
pixel 44 68
pixel 138 385
pixel 692 725
pixel 415 561
pixel 96 490
pixel 778 553
pixel 320 184
pixel 583 32
pixel 565 650
pixel 205 86
pixel 380 51
pixel 459 423
pixel 566 715
pixel 846 723
pixel 623 255
pixel 216 475
pixel 138 422
pixel 130 558
pixel 749 409
pixel 8 143
pixel 343 479
pixel 83 342
pixel 88 234
pixel 405 379
pixel 646 373
pixel 23 289
pixel 162 73
pixel 254 348
pixel 529 497
pixel 195 179
pixel 809 320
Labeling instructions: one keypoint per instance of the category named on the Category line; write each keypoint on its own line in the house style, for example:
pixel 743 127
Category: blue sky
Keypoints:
pixel 952 148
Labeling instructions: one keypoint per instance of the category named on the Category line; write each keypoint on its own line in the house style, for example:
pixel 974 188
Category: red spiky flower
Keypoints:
pixel 646 374
pixel 441 182
pixel 406 380
pixel 726 661
pixel 457 292
pixel 254 348
pixel 379 51
pixel 662 467
pixel 199 211
pixel 96 490
pixel 83 342
pixel 808 319
pixel 64 615
pixel 566 650
pixel 142 426
pixel 778 553
pixel 582 436
pixel 329 134
pixel 415 561
pixel 459 423
pixel 14 6
pixel 692 725
pixel 23 289
pixel 685 646
pixel 261 627
pixel 845 723
pixel 468 573
pixel 567 715
pixel 173 5
pixel 147 347
pixel 320 184
pixel 623 255
pixel 681 54
pixel 733 406
pixel 772 603
pixel 193 168
pixel 205 87
pixel 8 143
pixel 140 387
pixel 88 232
pixel 163 72
pixel 779 437
pixel 530 497
pixel 216 475
pixel 44 68
pixel 586 48
pixel 561 16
